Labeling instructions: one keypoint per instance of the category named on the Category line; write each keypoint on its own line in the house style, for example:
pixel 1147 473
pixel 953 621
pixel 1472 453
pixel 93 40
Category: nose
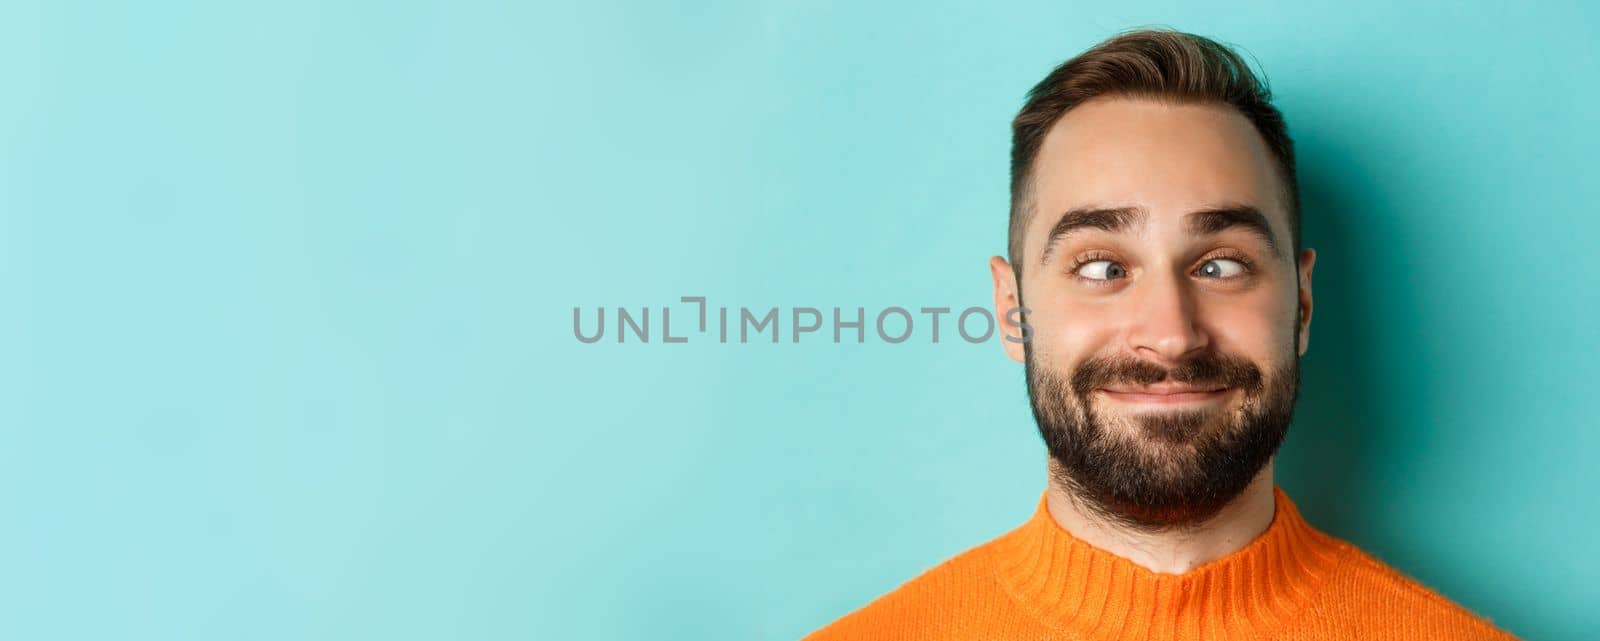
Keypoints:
pixel 1164 323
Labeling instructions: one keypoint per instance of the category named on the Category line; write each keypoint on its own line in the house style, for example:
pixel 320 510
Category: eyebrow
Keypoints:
pixel 1204 222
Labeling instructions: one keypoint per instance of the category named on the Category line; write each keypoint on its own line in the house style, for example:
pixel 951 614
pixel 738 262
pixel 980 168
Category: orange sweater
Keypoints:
pixel 1038 582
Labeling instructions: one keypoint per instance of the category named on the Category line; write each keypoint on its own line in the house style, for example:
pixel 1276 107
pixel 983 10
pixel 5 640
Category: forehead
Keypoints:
pixel 1167 158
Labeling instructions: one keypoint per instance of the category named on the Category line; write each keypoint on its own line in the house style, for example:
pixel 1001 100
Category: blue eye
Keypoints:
pixel 1096 270
pixel 1222 268
pixel 1101 270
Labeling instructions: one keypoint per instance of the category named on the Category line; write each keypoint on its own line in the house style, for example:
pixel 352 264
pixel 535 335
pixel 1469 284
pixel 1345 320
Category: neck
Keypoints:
pixel 1176 551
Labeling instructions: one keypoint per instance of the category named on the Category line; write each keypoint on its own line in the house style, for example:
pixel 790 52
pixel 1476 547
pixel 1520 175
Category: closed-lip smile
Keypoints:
pixel 1164 393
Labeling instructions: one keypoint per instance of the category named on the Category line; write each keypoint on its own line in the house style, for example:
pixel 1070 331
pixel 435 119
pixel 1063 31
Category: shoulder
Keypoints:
pixel 919 606
pixel 1381 596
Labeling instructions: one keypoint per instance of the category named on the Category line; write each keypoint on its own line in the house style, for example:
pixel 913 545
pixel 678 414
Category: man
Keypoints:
pixel 1166 300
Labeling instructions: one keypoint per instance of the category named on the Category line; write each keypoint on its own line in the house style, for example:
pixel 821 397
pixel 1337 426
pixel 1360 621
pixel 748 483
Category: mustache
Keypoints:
pixel 1206 368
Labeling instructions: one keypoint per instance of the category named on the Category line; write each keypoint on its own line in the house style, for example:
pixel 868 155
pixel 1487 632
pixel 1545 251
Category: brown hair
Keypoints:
pixel 1147 63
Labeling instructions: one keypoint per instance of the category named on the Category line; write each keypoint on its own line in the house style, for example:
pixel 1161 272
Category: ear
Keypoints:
pixel 1006 305
pixel 1308 259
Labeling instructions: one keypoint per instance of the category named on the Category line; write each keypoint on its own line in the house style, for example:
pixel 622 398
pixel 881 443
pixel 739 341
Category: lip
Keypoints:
pixel 1165 394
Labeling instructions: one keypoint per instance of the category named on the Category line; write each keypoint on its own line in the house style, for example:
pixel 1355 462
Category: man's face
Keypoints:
pixel 1166 308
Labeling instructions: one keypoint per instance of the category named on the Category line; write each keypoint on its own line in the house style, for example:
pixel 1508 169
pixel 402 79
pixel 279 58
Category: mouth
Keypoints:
pixel 1166 394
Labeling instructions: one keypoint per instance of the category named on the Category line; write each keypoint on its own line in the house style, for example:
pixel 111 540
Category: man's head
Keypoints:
pixel 1155 246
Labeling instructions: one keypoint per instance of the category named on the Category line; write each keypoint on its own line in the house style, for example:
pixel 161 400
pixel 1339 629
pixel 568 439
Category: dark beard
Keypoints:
pixel 1181 467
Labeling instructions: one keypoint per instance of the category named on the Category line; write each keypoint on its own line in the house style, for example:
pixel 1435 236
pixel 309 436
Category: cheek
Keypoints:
pixel 1064 331
pixel 1256 327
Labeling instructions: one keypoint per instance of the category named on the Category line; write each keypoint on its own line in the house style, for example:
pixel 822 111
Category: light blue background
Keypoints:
pixel 287 346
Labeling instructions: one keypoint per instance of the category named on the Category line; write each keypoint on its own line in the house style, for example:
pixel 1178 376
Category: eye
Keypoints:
pixel 1101 270
pixel 1222 268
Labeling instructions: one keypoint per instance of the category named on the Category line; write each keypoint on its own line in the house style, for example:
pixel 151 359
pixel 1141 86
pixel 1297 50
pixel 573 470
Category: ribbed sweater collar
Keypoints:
pixel 1095 594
